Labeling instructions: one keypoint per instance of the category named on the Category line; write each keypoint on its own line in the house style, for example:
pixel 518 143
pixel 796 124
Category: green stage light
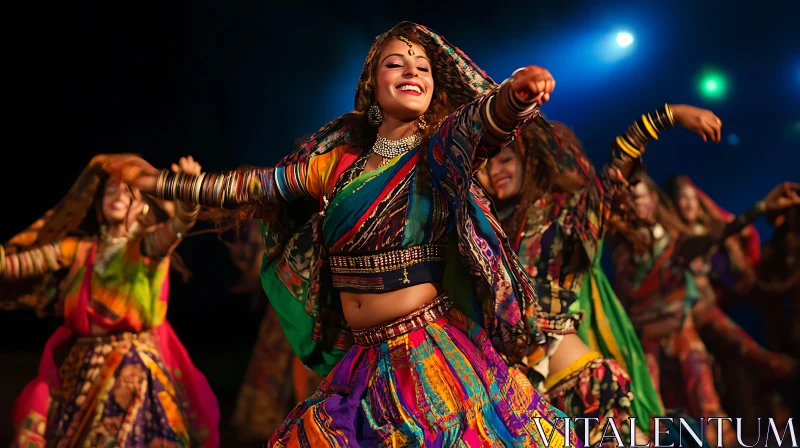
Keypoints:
pixel 713 85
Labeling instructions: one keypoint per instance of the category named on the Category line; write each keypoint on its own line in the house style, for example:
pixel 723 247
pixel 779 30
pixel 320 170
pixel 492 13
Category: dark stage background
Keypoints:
pixel 235 83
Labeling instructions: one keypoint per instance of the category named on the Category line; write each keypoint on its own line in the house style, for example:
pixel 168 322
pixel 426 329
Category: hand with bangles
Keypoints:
pixel 185 213
pixel 532 84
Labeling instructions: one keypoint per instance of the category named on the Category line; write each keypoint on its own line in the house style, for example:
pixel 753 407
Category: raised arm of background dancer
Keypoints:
pixel 589 211
pixel 781 197
pixel 38 261
pixel 467 138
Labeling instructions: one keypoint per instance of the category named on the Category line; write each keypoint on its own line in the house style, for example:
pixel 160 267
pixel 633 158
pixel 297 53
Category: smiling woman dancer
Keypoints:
pixel 394 185
pixel 124 379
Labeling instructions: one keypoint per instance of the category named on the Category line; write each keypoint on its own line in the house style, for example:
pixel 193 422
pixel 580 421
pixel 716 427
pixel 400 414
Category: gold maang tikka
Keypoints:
pixel 409 43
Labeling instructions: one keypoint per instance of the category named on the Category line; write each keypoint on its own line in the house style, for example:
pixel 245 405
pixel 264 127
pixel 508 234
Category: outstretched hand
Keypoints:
pixel 699 121
pixel 533 83
pixel 187 165
pixel 782 197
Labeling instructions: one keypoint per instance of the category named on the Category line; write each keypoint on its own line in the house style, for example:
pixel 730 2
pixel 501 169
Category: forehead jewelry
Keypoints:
pixel 409 43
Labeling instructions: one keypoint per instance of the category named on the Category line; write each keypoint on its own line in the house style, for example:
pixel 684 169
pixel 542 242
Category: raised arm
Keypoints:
pixel 38 261
pixel 587 213
pixel 780 198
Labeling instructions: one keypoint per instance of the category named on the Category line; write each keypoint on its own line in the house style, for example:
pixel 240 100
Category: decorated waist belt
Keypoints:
pixel 415 320
pixel 388 270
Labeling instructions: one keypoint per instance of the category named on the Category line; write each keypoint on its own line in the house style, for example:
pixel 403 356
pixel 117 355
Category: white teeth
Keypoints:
pixel 410 87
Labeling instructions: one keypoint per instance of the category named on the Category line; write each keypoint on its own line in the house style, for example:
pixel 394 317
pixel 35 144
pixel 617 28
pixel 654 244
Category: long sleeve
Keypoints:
pixel 588 212
pixel 474 133
pixel 301 174
pixel 40 260
pixel 296 180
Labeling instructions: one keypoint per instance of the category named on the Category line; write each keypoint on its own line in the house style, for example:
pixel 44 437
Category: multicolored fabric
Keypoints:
pixel 296 277
pixel 561 234
pixel 659 297
pixel 686 373
pixel 142 390
pixel 557 244
pixel 595 388
pixel 656 293
pixel 442 385
pixel 608 330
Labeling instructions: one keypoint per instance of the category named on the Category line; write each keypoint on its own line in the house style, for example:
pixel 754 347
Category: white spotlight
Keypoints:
pixel 624 39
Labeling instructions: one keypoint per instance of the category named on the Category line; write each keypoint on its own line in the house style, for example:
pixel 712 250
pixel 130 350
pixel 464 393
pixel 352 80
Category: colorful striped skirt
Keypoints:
pixel 431 378
pixel 118 390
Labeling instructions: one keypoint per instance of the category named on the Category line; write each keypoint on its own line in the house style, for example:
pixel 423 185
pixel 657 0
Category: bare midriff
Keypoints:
pixel 569 350
pixel 364 311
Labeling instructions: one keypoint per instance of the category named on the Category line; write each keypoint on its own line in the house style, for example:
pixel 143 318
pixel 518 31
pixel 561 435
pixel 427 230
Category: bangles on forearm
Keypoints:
pixel 31 262
pixel 217 189
pixel 503 111
pixel 647 128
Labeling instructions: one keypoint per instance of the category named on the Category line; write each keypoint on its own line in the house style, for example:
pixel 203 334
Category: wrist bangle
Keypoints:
pixel 630 150
pixel 2 259
pixel 669 114
pixel 761 207
pixel 162 178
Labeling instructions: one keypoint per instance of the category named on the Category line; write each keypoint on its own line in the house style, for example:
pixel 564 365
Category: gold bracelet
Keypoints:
pixel 630 150
pixel 2 259
pixel 649 127
pixel 162 179
pixel 198 185
pixel 489 119
pixel 669 114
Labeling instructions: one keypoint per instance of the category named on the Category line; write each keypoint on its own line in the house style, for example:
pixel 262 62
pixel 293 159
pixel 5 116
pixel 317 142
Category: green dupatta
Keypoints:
pixel 608 330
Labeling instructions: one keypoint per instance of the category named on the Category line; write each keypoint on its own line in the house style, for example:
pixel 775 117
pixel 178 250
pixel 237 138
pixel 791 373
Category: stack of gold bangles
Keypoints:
pixel 214 189
pixel 2 259
pixel 179 186
pixel 641 131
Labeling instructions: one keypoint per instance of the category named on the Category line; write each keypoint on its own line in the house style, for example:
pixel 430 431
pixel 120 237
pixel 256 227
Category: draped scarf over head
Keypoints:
pixel 295 274
pixel 75 215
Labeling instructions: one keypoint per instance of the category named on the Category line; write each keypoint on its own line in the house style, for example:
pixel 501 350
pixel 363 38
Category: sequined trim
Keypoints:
pixel 427 313
pixel 388 261
pixel 356 282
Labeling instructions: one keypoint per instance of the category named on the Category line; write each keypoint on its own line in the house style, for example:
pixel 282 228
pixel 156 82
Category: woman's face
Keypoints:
pixel 688 205
pixel 404 83
pixel 644 201
pixel 117 201
pixel 505 174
